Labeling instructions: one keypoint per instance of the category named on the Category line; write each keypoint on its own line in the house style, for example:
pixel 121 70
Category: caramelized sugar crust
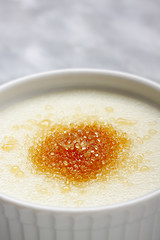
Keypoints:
pixel 79 152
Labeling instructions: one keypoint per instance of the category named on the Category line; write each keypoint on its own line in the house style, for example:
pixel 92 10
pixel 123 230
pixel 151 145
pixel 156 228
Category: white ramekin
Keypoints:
pixel 138 219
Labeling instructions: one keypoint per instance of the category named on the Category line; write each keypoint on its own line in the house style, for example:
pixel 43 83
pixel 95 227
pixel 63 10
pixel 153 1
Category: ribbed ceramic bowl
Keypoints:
pixel 138 219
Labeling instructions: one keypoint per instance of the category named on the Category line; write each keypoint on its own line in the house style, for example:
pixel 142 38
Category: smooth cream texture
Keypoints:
pixel 20 122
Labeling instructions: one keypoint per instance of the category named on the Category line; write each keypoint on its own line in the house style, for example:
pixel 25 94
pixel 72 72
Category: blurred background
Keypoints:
pixel 44 35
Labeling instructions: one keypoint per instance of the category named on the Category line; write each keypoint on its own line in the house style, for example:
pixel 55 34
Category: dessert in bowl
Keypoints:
pixel 80 156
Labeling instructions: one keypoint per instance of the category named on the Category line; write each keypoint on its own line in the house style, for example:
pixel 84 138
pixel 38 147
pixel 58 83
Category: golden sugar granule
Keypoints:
pixel 139 158
pixel 139 140
pixel 82 191
pixel 48 107
pixel 153 123
pixel 40 189
pixel 32 121
pixel 148 152
pixel 109 109
pixel 27 139
pixel 112 119
pixel 152 131
pixel 16 170
pixel 126 182
pixel 124 121
pixel 103 187
pixel 10 143
pixel 79 152
pixel 144 168
pixel 79 203
pixel 15 127
pixel 147 161
pixel 33 171
pixel 44 123
pixel 26 127
pixel 147 137
pixel 134 163
pixel 49 115
pixel 65 189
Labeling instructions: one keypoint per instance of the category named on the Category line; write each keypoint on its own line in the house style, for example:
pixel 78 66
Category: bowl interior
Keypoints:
pixel 78 79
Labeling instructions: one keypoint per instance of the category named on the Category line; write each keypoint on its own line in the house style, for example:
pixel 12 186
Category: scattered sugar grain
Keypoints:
pixel 146 137
pixel 152 131
pixel 109 109
pixel 48 107
pixel 123 121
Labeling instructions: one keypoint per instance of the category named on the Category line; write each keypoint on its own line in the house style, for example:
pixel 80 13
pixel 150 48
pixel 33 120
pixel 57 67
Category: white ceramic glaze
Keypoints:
pixel 138 219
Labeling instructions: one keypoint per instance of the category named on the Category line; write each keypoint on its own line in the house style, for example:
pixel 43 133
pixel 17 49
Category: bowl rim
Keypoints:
pixel 73 210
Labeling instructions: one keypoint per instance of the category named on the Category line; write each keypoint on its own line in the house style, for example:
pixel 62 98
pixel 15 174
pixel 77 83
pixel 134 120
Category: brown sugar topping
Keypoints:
pixel 79 152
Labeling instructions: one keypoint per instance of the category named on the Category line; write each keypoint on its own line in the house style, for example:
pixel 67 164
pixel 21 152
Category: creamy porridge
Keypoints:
pixel 79 148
